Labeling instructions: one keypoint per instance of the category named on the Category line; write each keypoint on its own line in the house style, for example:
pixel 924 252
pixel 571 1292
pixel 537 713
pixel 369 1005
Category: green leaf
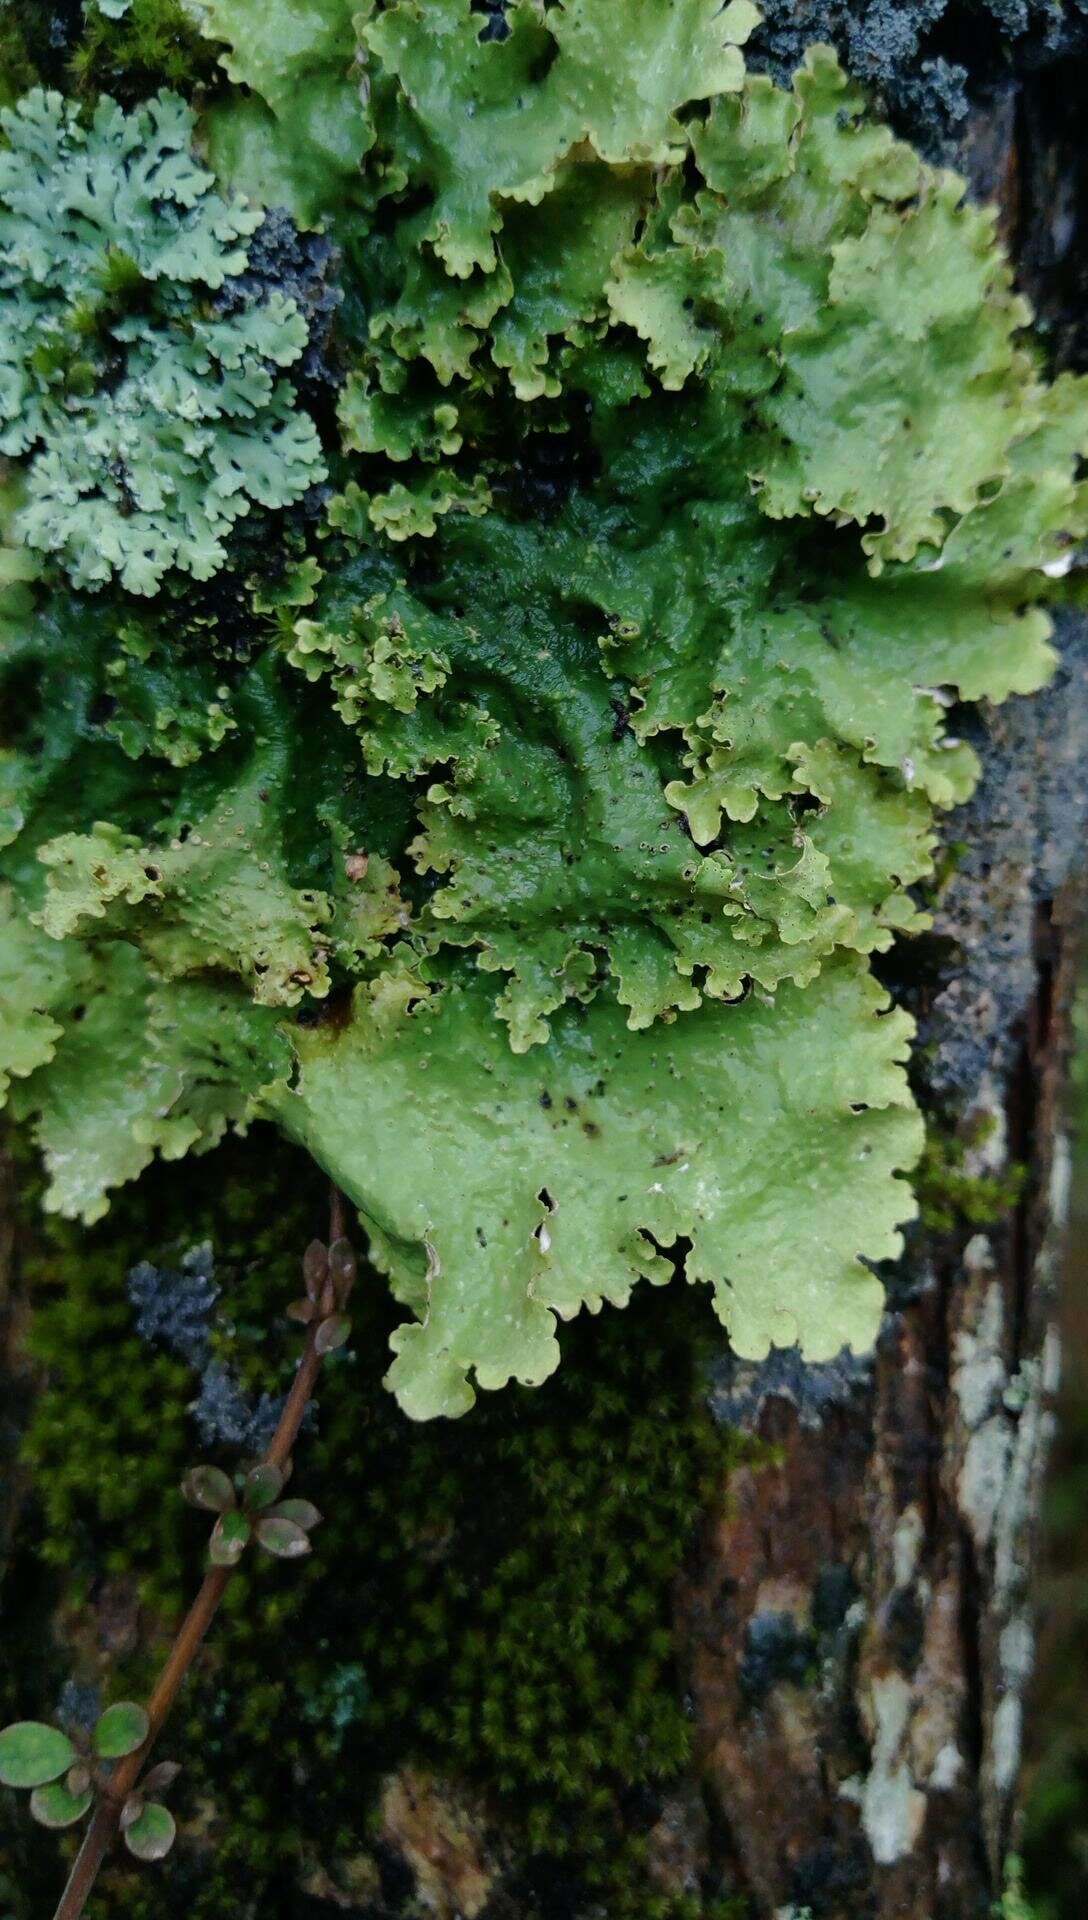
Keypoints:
pixel 120 1730
pixel 332 1333
pixel 343 1269
pixel 263 1485
pixel 230 1538
pixel 209 1487
pixel 282 1537
pixel 55 1806
pixel 315 1268
pixel 160 1777
pixel 131 1810
pixel 32 1754
pixel 151 1836
pixel 301 1513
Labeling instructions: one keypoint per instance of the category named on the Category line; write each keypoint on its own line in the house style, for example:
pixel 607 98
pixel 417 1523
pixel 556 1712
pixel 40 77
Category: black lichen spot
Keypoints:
pixel 905 1625
pixel 835 1590
pixel 175 1305
pixel 495 24
pixel 776 1648
pixel 926 61
pixel 824 1878
pixel 302 267
pixel 741 1388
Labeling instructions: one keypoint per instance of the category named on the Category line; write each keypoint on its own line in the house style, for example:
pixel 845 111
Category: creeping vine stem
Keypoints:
pixel 105 1820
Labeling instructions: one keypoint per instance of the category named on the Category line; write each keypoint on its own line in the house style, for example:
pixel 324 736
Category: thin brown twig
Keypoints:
pixel 102 1830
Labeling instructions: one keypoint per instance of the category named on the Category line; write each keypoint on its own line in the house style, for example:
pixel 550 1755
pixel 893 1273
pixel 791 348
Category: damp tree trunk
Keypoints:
pixel 856 1624
pixel 893 1545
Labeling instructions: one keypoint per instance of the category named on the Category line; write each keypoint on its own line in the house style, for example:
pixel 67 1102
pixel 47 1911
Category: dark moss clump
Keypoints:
pixel 36 41
pixel 155 44
pixel 489 1600
pixel 77 48
pixel 950 1198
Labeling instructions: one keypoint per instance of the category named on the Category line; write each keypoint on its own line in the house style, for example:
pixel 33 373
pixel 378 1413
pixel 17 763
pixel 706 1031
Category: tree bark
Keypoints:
pixel 893 1543
pixel 855 1627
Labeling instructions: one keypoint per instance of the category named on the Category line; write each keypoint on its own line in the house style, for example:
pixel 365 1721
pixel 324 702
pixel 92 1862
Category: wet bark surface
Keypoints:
pixel 890 1550
pixel 856 1626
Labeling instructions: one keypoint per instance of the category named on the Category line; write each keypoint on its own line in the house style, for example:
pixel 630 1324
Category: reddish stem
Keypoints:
pixel 102 1831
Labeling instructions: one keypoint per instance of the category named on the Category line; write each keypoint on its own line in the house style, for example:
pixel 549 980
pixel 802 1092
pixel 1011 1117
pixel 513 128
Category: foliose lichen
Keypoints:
pixel 520 840
pixel 911 53
pixel 147 425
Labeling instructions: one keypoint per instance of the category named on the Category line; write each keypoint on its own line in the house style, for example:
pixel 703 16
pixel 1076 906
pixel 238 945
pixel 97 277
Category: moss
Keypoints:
pixel 110 1437
pixel 155 44
pixel 17 70
pixel 950 1198
pixel 1014 1903
pixel 489 1599
pixel 61 43
pixel 36 40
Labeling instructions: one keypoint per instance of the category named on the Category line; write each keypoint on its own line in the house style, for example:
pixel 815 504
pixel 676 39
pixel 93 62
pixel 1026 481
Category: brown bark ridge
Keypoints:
pixel 858 1624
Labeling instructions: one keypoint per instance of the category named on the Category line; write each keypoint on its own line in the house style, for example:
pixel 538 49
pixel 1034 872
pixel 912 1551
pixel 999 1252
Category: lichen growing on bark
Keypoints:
pixel 690 458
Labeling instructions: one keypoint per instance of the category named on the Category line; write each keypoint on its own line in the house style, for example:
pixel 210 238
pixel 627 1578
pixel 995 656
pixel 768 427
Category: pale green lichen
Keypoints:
pixel 149 423
pixel 693 461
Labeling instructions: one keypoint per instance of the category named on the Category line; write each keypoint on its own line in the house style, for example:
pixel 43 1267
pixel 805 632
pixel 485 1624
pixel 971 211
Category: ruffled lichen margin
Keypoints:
pixel 519 837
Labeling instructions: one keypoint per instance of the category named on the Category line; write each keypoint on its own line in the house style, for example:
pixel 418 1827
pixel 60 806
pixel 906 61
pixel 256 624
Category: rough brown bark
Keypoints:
pixel 892 1544
pixel 856 1626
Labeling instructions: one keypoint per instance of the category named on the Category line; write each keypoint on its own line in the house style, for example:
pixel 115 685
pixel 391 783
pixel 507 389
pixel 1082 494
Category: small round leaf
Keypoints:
pixel 230 1537
pixel 152 1835
pixel 264 1483
pixel 208 1487
pixel 54 1806
pixel 32 1754
pixel 315 1267
pixel 283 1538
pixel 332 1333
pixel 160 1777
pixel 302 1311
pixel 131 1811
pixel 122 1728
pixel 78 1778
pixel 302 1512
pixel 343 1267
